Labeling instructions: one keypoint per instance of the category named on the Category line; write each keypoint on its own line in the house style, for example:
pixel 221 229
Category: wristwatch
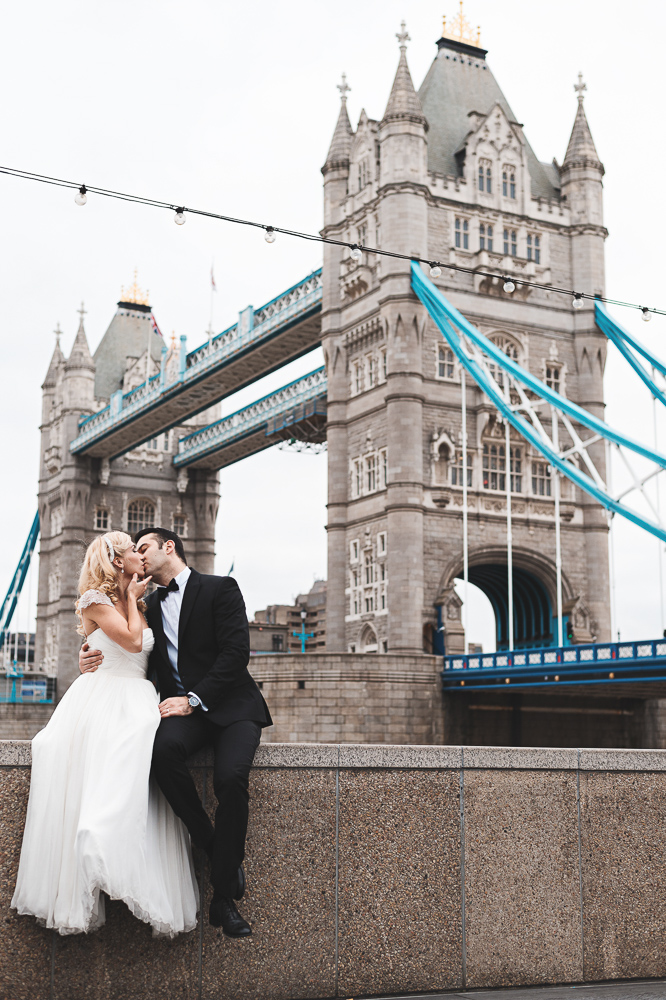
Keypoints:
pixel 193 700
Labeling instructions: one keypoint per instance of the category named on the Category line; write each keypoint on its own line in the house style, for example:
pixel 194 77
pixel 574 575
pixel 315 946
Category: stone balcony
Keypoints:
pixel 389 869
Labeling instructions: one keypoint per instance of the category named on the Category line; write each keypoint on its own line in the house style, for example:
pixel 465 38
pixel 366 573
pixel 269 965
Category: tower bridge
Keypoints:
pixel 132 436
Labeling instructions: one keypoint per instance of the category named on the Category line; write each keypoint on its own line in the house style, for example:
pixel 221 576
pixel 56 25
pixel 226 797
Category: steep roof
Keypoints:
pixel 403 102
pixel 459 81
pixel 80 356
pixel 342 137
pixel 128 335
pixel 57 360
pixel 581 144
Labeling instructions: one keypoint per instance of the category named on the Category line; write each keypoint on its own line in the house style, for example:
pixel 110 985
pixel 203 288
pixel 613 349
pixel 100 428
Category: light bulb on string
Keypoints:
pixel 355 252
pixel 80 198
pixel 647 315
pixel 270 236
pixel 179 217
pixel 435 270
pixel 509 285
pixel 577 301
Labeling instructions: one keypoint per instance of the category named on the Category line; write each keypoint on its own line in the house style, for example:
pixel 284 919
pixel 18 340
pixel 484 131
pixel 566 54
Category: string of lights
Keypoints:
pixel 356 250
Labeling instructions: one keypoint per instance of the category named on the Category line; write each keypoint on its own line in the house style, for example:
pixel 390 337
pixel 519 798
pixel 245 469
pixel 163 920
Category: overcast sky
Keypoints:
pixel 230 107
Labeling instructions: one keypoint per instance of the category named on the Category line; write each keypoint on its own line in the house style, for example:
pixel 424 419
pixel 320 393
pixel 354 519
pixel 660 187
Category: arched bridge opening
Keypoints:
pixel 532 609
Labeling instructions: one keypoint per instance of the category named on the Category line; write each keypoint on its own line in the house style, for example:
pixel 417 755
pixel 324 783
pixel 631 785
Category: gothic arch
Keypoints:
pixel 534 586
pixel 368 640
pixel 141 512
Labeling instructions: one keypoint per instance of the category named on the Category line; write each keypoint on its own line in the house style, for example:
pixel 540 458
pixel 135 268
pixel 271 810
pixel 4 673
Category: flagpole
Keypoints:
pixel 213 289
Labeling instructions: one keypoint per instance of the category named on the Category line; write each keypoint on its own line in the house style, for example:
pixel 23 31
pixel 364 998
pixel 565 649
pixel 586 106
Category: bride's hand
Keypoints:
pixel 137 588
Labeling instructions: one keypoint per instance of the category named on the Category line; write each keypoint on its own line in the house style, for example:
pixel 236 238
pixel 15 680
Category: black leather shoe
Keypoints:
pixel 240 889
pixel 223 913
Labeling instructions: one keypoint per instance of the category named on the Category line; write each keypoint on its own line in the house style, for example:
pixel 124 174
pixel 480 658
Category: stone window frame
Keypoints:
pixel 441 352
pixel 485 176
pixel 500 471
pixel 541 475
pixel 131 529
pixel 503 339
pixel 174 518
pixel 509 185
pixel 354 551
pixel 382 543
pixel 461 232
pixel 558 383
pixel 533 247
pixel 98 518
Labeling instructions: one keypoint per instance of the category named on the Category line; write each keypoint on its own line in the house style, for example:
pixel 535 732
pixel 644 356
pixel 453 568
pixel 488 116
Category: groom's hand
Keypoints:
pixel 175 706
pixel 89 659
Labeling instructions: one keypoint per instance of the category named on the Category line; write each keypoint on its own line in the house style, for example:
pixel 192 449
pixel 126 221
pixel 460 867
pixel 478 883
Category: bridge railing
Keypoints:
pixel 252 417
pixel 253 326
pixel 17 690
pixel 558 656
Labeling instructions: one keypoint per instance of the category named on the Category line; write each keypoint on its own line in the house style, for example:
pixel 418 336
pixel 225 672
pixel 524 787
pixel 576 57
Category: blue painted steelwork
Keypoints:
pixel 297 303
pixel 15 587
pixel 560 666
pixel 268 412
pixel 15 689
pixel 446 317
pixel 620 337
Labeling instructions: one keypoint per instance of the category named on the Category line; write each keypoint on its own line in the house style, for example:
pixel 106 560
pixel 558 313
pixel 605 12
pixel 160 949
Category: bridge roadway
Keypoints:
pixel 262 341
pixel 297 410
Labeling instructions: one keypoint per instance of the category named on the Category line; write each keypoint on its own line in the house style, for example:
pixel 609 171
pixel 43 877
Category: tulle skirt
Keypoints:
pixel 96 823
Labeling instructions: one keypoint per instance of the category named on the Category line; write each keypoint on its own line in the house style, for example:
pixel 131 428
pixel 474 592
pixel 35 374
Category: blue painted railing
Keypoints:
pixel 18 690
pixel 592 663
pixel 253 326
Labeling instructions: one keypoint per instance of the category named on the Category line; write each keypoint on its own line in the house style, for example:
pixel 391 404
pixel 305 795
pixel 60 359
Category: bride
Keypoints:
pixel 96 823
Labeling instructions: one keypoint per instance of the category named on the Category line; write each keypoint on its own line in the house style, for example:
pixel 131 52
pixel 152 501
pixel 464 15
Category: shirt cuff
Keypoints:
pixel 201 704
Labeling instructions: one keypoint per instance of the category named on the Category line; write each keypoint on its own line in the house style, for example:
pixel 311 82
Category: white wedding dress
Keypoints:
pixel 96 823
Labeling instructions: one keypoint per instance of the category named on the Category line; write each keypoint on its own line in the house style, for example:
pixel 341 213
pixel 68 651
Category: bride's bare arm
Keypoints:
pixel 128 633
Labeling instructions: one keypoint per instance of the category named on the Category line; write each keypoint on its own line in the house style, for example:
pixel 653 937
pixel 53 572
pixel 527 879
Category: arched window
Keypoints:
pixel 140 514
pixel 368 640
pixel 462 234
pixel 512 185
pixel 480 176
pixel 509 182
pixel 489 180
pixel 540 479
pixel 534 248
pixel 511 351
pixel 485 237
pixel 510 243
pixel 485 176
pixel 446 367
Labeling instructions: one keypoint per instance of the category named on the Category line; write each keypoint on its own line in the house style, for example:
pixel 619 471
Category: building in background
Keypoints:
pixel 289 617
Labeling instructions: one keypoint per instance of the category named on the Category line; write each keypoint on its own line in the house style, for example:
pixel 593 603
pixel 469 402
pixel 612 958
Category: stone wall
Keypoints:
pixel 350 698
pixel 383 869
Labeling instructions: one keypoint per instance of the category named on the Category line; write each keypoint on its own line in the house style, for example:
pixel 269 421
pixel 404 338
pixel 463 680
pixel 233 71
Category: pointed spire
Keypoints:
pixel 403 103
pixel 581 150
pixel 340 147
pixel 57 359
pixel 80 356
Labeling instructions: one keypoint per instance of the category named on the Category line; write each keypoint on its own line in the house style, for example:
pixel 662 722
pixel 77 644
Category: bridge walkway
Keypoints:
pixel 261 342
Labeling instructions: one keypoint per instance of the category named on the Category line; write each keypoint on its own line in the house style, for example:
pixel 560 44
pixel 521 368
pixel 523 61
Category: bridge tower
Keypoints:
pixel 80 496
pixel 447 173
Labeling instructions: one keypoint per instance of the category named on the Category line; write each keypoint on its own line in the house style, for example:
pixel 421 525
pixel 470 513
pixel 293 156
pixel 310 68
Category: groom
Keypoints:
pixel 208 697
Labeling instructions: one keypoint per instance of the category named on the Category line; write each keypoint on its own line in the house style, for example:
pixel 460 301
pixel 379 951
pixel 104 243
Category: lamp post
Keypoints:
pixel 303 635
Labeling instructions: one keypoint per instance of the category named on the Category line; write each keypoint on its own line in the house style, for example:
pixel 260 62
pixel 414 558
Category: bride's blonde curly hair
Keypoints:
pixel 98 571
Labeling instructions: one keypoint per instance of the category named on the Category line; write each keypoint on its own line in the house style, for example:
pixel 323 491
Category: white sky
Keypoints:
pixel 230 107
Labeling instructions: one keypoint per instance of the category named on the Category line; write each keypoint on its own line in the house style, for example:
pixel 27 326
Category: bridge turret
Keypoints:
pixel 336 168
pixel 79 373
pixel 581 175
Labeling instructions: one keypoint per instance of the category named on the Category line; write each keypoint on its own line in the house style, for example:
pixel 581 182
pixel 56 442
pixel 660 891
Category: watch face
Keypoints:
pixel 193 702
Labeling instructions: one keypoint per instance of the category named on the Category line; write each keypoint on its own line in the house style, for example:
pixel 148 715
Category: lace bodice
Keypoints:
pixel 93 597
pixel 117 660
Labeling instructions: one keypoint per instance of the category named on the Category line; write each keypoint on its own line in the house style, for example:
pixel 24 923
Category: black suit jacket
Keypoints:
pixel 213 651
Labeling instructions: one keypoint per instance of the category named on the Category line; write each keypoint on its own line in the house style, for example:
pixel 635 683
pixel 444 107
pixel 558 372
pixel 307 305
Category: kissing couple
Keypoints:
pixel 113 807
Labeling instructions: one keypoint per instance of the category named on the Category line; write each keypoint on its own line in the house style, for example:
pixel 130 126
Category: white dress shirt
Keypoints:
pixel 170 608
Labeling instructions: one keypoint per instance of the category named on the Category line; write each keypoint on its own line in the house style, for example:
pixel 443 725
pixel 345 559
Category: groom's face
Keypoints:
pixel 154 556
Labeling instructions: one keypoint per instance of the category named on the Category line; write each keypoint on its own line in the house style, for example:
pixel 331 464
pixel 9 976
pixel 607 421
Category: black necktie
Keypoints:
pixel 171 589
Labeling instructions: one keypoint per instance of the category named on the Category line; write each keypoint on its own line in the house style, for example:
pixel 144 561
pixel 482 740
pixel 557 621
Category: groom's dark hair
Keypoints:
pixel 164 535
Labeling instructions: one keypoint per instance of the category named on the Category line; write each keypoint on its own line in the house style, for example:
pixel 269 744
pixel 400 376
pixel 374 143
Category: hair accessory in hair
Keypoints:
pixel 109 547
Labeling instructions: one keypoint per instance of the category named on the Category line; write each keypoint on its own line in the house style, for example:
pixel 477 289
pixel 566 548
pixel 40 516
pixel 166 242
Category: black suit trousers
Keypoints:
pixel 234 747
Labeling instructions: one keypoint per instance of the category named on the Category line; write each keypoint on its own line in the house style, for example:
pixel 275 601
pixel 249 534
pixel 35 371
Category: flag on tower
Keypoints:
pixel 156 329
pixel 212 279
